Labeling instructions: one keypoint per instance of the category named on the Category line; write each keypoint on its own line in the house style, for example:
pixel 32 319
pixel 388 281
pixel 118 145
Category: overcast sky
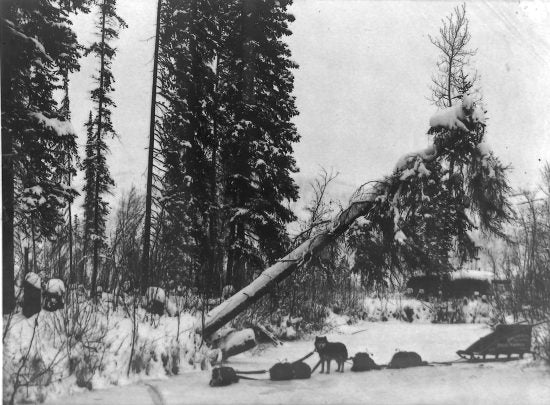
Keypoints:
pixel 362 85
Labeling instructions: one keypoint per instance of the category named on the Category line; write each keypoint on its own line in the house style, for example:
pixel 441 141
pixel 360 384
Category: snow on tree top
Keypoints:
pixel 55 286
pixel 457 115
pixel 33 279
pixel 62 128
pixel 467 102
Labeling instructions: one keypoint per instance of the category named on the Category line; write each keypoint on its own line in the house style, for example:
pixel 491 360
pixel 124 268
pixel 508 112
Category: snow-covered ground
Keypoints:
pixel 516 382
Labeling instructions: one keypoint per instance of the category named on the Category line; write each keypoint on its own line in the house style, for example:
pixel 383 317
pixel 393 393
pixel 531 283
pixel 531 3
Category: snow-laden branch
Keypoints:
pixel 36 43
pixel 61 127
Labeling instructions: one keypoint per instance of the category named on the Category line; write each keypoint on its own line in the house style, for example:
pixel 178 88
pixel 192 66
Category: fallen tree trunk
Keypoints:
pixel 227 310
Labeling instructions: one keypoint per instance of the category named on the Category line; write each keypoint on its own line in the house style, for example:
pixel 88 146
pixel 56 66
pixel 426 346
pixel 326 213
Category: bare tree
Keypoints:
pixel 452 79
pixel 319 209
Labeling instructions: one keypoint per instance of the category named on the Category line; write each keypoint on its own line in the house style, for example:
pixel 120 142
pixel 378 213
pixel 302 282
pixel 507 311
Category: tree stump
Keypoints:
pixel 32 295
pixel 155 299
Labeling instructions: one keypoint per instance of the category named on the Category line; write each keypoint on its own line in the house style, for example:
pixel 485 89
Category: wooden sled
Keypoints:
pixel 506 340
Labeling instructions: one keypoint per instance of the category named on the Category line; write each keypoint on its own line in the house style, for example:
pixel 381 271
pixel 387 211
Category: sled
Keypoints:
pixel 505 340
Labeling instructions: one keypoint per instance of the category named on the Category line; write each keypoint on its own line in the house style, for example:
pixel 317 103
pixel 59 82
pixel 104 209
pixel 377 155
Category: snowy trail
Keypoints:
pixel 513 382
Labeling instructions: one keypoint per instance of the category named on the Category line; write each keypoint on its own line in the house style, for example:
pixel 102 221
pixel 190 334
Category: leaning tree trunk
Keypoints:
pixel 228 309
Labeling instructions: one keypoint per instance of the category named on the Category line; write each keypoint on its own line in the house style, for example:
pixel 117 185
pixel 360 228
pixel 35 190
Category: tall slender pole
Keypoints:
pixel 93 290
pixel 145 276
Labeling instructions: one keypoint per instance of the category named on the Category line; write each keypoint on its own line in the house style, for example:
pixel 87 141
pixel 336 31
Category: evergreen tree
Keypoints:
pixel 88 166
pixel 256 148
pixel 226 136
pixel 187 50
pixel 37 141
pixel 426 224
pixel 108 25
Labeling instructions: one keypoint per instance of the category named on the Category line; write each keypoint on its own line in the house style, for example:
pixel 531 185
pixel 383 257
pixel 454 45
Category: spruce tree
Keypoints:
pixel 38 45
pixel 256 148
pixel 107 26
pixel 187 49
pixel 226 136
pixel 427 224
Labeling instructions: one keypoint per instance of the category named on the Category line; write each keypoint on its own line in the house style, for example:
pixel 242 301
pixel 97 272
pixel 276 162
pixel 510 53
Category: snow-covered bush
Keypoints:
pixel 88 346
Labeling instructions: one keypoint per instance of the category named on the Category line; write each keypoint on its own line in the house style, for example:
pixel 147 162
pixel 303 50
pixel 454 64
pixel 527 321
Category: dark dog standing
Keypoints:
pixel 330 351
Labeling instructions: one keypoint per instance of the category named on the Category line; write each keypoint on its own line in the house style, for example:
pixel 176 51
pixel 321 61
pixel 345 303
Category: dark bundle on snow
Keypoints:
pixel 223 376
pixel 32 294
pixel 301 370
pixel 281 372
pixel 363 362
pixel 53 295
pixel 290 371
pixel 406 359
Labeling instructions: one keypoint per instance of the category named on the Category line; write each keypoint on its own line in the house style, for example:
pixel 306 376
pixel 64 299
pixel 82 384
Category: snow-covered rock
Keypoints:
pixel 237 342
pixel 33 279
pixel 155 294
pixel 55 286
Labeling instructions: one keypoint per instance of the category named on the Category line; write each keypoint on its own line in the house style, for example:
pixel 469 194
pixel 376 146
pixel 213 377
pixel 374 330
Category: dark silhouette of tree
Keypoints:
pixel 38 143
pixel 108 25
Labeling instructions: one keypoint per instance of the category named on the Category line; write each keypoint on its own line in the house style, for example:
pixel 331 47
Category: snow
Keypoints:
pixel 483 148
pixel 33 279
pixel 171 307
pixel 55 286
pixel 478 115
pixel 154 340
pixel 237 338
pixel 523 381
pixel 406 174
pixel 455 116
pixel 155 294
pixel 62 128
pixel 400 237
pixel 472 274
pixel 425 154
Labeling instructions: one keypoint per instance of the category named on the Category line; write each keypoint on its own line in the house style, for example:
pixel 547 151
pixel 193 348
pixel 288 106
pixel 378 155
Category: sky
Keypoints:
pixel 362 86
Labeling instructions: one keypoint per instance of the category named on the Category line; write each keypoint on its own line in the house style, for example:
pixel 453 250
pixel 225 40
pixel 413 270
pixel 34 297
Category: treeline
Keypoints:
pixel 223 141
pixel 222 150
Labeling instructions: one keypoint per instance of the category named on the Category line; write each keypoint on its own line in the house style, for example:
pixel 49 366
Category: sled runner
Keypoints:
pixel 505 340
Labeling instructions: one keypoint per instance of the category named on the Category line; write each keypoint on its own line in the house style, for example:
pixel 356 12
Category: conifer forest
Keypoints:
pixel 192 188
